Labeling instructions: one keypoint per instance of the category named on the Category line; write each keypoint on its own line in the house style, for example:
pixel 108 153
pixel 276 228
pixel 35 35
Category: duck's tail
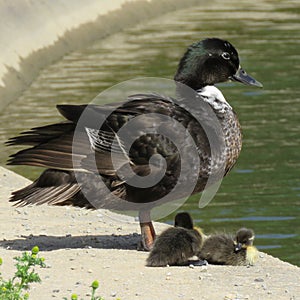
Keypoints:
pixel 51 147
pixel 53 187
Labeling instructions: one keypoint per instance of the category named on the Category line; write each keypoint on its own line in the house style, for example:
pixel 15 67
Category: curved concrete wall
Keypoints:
pixel 35 33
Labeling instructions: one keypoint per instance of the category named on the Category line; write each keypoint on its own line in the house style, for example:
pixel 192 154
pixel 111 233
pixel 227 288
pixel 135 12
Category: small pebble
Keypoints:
pixel 258 280
pixel 90 271
pixel 230 297
pixel 238 284
pixel 113 294
pixel 191 266
pixel 168 276
pixel 203 269
pixel 264 286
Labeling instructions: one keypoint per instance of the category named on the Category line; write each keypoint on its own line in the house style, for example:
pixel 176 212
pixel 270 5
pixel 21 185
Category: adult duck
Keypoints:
pixel 71 178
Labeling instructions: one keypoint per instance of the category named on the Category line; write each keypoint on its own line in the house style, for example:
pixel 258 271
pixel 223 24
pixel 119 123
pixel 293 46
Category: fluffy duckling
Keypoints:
pixel 185 220
pixel 223 249
pixel 176 245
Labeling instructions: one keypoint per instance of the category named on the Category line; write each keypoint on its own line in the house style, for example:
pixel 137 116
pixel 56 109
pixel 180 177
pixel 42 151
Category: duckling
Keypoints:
pixel 176 245
pixel 185 220
pixel 224 249
pixel 203 64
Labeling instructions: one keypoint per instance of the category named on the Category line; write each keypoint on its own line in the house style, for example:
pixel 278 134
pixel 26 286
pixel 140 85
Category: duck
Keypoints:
pixel 225 249
pixel 71 177
pixel 185 220
pixel 178 245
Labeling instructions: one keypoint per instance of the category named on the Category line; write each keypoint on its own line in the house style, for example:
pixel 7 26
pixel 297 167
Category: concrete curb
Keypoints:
pixel 81 246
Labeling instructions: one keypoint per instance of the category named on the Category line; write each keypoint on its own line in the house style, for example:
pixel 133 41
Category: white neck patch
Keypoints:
pixel 214 97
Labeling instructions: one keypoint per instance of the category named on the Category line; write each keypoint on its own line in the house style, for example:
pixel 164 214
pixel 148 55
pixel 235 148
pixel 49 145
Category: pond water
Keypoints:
pixel 263 190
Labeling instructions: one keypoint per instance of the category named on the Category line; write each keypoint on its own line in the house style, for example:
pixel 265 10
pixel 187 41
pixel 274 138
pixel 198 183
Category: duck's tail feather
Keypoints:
pixel 62 187
pixel 53 187
pixel 52 147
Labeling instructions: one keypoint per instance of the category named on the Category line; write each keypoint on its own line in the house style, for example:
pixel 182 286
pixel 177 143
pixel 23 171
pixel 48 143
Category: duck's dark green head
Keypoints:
pixel 244 238
pixel 211 61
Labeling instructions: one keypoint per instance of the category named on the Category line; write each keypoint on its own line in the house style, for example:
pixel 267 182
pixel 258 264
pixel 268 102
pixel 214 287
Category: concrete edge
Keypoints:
pixel 11 181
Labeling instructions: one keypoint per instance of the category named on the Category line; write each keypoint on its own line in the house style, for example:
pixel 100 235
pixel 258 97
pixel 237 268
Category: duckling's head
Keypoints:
pixel 211 61
pixel 184 220
pixel 244 238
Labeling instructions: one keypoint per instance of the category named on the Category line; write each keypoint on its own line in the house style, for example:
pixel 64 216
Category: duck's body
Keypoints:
pixel 176 245
pixel 205 63
pixel 225 249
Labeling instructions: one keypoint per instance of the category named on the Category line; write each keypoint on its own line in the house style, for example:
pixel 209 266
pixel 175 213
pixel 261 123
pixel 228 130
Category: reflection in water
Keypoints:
pixel 263 190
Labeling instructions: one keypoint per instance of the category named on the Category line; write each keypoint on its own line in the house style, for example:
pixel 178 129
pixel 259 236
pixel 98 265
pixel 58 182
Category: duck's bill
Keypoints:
pixel 238 247
pixel 243 77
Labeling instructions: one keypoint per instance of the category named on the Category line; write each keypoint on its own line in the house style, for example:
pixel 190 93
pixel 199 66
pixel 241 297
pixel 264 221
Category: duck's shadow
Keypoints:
pixel 49 243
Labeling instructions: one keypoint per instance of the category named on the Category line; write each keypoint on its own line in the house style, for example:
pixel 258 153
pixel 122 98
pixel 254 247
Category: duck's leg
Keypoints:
pixel 147 231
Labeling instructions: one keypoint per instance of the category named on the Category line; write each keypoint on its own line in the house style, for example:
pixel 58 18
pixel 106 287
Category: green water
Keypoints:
pixel 263 190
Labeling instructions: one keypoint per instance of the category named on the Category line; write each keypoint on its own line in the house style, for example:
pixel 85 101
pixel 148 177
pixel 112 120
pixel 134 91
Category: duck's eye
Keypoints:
pixel 225 55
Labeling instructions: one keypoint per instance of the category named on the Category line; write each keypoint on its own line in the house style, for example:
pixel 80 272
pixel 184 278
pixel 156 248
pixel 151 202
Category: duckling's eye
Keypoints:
pixel 225 55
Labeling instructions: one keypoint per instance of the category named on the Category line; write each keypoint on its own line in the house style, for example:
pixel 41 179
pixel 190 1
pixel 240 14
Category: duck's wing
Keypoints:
pixel 56 146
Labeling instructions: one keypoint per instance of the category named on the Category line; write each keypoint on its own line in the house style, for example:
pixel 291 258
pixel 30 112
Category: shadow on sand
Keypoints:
pixel 49 243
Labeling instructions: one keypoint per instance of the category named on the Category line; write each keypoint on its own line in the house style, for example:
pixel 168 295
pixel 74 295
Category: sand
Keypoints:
pixel 81 246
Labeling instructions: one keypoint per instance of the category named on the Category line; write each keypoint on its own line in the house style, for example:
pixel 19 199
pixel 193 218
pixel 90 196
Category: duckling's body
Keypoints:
pixel 176 245
pixel 224 249
pixel 81 172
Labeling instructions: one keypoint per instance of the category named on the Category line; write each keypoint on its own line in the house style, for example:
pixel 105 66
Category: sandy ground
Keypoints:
pixel 81 246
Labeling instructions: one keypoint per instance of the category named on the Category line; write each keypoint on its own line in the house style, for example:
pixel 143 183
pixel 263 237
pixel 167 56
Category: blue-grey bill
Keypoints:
pixel 242 76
